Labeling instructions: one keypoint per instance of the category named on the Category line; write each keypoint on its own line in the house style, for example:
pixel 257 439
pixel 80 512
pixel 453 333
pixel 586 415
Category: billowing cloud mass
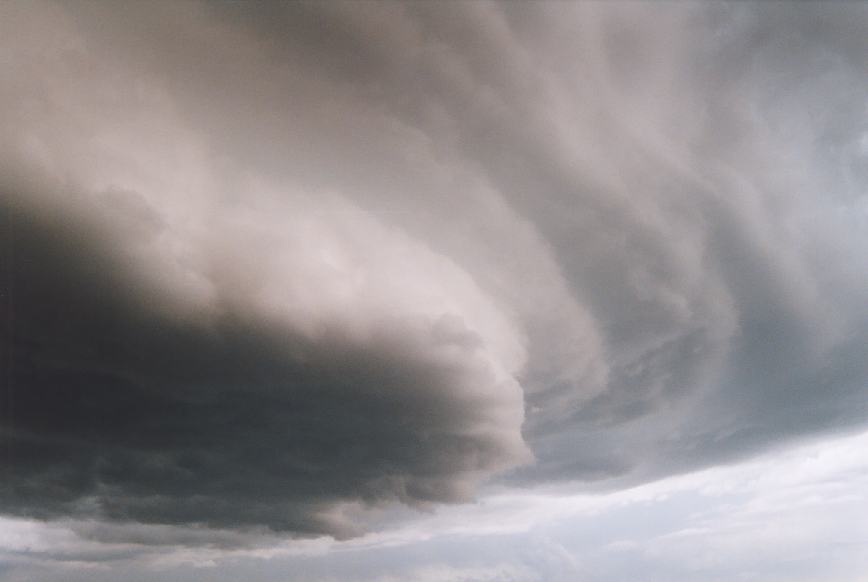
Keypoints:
pixel 271 266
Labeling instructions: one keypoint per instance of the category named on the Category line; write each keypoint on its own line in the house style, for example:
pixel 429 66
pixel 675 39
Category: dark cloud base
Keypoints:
pixel 115 410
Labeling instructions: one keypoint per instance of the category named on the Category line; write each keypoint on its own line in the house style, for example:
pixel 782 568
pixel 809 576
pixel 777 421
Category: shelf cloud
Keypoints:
pixel 276 266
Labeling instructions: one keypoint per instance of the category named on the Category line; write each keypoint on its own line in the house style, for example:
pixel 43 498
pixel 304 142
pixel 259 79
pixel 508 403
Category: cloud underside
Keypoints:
pixel 119 411
pixel 266 267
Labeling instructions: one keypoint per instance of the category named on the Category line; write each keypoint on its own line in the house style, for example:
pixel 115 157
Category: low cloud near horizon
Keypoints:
pixel 305 269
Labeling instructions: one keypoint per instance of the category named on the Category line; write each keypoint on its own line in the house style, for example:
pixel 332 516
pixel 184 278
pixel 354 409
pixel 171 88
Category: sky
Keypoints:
pixel 467 291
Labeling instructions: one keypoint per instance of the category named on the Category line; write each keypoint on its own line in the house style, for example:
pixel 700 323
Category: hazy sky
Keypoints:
pixel 433 291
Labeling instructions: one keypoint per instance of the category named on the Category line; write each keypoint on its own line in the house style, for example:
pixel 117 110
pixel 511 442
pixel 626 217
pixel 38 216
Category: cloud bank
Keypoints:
pixel 268 267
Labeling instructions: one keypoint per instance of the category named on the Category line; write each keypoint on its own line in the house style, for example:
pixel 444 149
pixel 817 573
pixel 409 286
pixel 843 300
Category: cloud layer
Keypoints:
pixel 268 267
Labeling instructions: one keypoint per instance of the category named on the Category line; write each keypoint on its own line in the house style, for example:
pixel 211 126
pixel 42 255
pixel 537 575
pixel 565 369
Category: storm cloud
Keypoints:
pixel 271 265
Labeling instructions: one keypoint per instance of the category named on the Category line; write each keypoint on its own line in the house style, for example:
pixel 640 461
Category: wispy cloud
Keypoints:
pixel 289 270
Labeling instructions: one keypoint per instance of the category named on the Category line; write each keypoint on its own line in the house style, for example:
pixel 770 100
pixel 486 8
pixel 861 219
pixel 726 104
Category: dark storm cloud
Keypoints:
pixel 125 413
pixel 266 262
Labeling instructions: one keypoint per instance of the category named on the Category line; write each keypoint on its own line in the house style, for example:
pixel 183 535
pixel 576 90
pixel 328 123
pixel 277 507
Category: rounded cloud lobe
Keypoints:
pixel 270 266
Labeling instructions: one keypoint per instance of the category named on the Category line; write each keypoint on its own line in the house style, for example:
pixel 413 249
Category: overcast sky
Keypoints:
pixel 433 291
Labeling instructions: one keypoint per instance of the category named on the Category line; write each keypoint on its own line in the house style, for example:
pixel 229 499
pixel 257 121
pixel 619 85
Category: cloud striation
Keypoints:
pixel 272 265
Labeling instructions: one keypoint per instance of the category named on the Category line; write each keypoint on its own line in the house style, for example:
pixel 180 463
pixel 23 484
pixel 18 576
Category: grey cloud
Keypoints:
pixel 635 227
pixel 123 412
